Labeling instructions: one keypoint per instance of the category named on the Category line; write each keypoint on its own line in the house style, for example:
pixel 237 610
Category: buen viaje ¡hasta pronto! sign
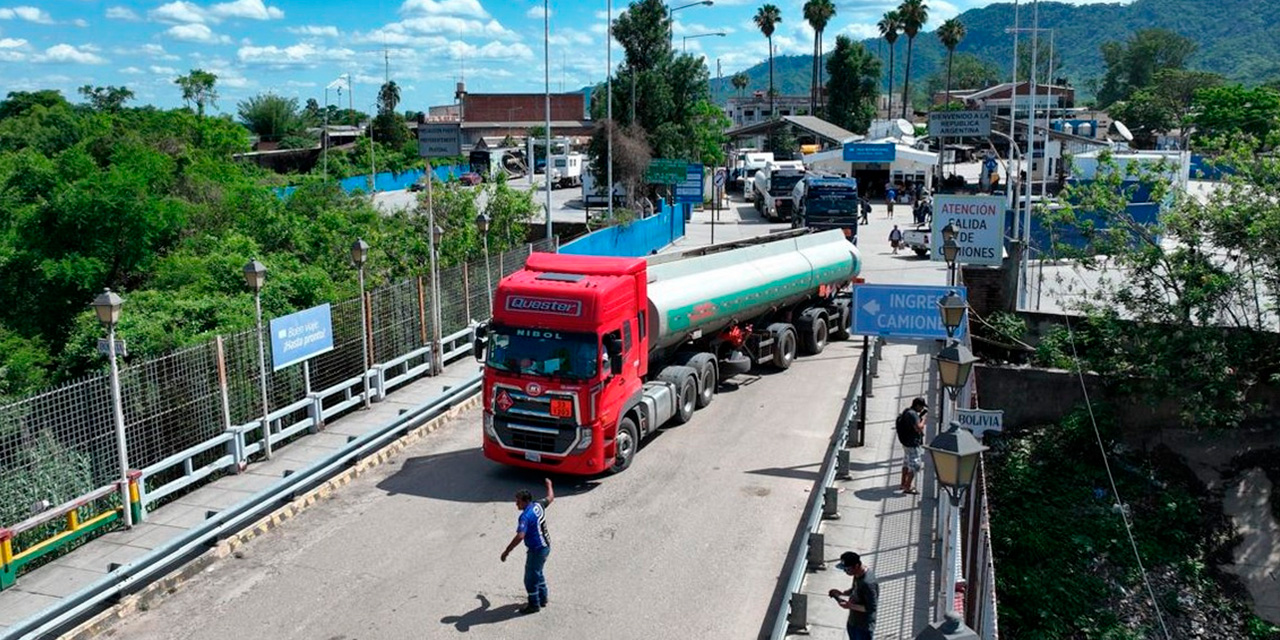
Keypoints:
pixel 979 225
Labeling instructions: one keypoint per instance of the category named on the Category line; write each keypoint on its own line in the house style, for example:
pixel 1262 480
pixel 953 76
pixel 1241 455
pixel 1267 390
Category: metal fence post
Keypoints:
pixel 842 463
pixel 466 288
pixel 422 311
pixel 235 448
pixel 831 501
pixel 816 554
pixel 315 410
pixel 876 352
pixel 798 614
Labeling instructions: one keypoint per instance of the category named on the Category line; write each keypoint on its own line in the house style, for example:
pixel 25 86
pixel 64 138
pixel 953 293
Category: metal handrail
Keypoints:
pixel 233 519
pixel 812 517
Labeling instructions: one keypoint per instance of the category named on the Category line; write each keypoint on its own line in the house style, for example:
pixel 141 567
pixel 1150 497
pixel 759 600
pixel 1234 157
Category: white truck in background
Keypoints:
pixel 752 162
pixel 567 169
pixel 773 188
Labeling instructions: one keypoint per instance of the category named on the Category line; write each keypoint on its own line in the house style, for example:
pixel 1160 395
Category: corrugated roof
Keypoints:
pixel 813 124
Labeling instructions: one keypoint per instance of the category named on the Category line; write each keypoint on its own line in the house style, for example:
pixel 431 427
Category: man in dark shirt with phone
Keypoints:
pixel 860 599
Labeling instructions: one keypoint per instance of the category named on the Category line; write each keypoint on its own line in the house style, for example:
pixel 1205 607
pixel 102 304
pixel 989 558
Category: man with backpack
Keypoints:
pixel 910 428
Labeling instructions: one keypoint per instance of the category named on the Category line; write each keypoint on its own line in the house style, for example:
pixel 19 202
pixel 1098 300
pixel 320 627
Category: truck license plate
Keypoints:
pixel 532 456
pixel 561 408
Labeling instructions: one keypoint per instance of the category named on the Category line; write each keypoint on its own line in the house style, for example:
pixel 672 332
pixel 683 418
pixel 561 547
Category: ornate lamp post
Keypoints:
pixel 255 275
pixel 360 255
pixel 955 454
pixel 482 225
pixel 107 305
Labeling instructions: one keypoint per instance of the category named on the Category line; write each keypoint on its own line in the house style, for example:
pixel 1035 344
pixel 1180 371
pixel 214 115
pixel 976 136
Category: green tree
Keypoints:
pixel 766 20
pixel 740 81
pixel 853 85
pixel 388 97
pixel 108 98
pixel 913 14
pixel 817 13
pixel 312 115
pixel 199 87
pixel 643 30
pixel 1228 112
pixel 1133 65
pixel 18 103
pixel 951 33
pixel 1146 114
pixel 270 117
pixel 970 73
pixel 890 26
pixel 631 156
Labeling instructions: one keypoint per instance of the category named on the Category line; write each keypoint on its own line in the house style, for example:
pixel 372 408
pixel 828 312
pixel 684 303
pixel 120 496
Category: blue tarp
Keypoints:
pixel 639 238
pixel 388 181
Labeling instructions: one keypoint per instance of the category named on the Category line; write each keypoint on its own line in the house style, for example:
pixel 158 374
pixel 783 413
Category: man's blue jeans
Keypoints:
pixel 535 580
pixel 858 634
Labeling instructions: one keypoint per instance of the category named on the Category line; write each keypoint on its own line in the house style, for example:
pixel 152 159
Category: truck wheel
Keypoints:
pixel 814 336
pixel 784 348
pixel 840 331
pixel 706 381
pixel 627 442
pixel 922 253
pixel 685 381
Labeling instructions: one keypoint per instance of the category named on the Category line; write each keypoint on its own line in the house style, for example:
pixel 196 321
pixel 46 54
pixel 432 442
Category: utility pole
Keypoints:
pixel 546 69
pixel 608 57
pixel 1031 145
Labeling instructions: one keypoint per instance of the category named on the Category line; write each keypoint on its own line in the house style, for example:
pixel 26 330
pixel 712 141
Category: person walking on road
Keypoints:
pixel 890 196
pixel 895 238
pixel 860 599
pixel 910 428
pixel 532 529
pixel 865 206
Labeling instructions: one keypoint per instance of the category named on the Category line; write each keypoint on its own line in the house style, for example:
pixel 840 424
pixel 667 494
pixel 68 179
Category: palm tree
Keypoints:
pixel 818 13
pixel 890 25
pixel 740 82
pixel 389 96
pixel 914 14
pixel 768 17
pixel 951 33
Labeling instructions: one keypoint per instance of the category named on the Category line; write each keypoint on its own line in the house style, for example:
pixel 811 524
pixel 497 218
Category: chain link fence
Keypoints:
pixel 61 443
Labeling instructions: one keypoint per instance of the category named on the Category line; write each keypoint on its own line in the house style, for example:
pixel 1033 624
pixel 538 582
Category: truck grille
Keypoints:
pixel 526 422
pixel 786 207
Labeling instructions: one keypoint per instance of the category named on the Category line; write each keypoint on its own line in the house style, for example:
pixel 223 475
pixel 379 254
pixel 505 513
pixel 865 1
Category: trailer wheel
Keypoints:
pixel 706 381
pixel 841 329
pixel 784 351
pixel 627 442
pixel 685 381
pixel 813 331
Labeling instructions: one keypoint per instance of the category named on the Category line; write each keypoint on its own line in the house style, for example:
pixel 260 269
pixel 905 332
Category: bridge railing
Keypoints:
pixel 196 414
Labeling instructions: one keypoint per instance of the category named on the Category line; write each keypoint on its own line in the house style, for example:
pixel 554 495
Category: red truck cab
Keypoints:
pixel 566 347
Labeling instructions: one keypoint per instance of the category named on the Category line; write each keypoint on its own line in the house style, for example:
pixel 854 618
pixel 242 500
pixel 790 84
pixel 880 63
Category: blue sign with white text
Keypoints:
pixel 301 335
pixel 863 152
pixel 901 311
pixel 690 191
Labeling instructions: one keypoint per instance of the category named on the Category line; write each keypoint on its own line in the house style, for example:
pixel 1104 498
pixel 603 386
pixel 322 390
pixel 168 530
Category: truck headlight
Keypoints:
pixel 489 429
pixel 584 438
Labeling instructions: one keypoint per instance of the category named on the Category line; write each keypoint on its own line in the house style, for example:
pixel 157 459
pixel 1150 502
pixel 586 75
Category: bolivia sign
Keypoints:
pixel 980 421
pixel 900 310
pixel 301 335
pixel 979 223
pixel 959 124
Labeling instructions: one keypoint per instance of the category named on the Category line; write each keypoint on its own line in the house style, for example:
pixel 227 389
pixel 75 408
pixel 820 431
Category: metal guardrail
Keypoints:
pixel 225 523
pixel 809 544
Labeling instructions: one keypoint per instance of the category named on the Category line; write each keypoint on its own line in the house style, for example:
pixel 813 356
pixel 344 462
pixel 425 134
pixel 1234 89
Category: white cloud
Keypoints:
pixel 858 31
pixel 196 33
pixel 163 71
pixel 420 30
pixel 30 14
pixel 156 51
pixel 67 54
pixel 469 8
pixel 298 54
pixel 122 13
pixel 80 22
pixel 133 71
pixel 179 11
pixel 535 12
pixel 567 36
pixel 13 43
pixel 315 30
pixel 247 9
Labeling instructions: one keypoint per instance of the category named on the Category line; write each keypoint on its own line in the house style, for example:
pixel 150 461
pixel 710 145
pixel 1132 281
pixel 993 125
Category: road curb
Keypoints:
pixel 154 593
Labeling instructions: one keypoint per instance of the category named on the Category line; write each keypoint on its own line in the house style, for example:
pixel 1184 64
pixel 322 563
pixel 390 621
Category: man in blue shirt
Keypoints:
pixel 532 529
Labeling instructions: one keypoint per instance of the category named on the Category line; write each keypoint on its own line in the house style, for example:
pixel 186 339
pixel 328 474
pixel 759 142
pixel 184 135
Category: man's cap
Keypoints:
pixel 919 402
pixel 848 559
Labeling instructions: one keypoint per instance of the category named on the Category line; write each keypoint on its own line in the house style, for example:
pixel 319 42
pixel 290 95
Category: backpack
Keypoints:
pixel 906 428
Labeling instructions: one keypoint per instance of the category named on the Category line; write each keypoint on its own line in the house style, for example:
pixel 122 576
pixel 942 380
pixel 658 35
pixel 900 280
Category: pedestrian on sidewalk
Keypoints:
pixel 910 428
pixel 890 196
pixel 860 599
pixel 866 210
pixel 532 529
pixel 895 238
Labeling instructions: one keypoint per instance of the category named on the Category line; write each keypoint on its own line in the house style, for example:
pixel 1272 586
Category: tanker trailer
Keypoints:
pixel 585 356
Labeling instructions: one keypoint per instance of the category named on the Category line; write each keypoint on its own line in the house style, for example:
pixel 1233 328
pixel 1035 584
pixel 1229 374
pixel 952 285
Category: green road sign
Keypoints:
pixel 664 171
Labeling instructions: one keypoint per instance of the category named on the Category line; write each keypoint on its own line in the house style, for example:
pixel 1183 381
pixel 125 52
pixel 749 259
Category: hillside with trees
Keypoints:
pixel 1244 48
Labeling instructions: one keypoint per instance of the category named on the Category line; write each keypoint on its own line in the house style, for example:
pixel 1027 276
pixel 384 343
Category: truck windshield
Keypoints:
pixel 544 353
pixel 782 185
pixel 820 201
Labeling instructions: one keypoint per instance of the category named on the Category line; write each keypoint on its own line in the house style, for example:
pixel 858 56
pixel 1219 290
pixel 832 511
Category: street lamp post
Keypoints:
pixel 546 46
pixel 950 251
pixel 482 225
pixel 671 18
pixel 955 454
pixel 255 275
pixel 952 307
pixel 684 40
pixel 107 305
pixel 359 255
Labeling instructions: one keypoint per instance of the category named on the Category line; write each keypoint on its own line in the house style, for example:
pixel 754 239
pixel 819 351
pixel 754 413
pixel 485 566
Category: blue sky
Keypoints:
pixel 297 47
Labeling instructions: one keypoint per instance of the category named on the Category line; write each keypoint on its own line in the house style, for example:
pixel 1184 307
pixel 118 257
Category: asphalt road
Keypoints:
pixel 688 543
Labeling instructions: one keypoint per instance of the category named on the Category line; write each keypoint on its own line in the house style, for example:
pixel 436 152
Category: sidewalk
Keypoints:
pixel 892 531
pixel 47 585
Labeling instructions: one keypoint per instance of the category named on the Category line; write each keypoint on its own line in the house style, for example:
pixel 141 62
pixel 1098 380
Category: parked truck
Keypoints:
pixel 566 169
pixel 773 188
pixel 752 162
pixel 917 240
pixel 828 202
pixel 586 356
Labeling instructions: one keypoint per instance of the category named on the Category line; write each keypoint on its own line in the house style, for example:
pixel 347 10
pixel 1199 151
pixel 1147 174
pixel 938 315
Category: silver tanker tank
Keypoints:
pixel 709 292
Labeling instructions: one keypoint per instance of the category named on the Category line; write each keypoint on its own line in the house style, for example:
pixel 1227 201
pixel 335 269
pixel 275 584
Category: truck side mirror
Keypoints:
pixel 480 342
pixel 613 348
